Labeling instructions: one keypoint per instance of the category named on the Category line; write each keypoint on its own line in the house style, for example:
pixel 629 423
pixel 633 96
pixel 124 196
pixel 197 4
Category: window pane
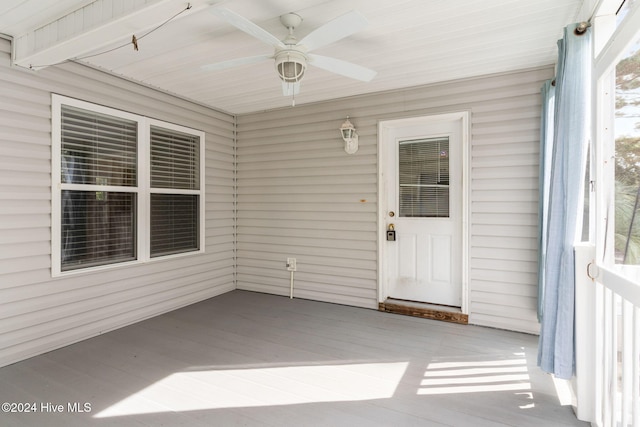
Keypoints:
pixel 175 161
pixel 586 225
pixel 97 149
pixel 424 178
pixel 627 168
pixel 174 224
pixel 97 228
pixel 625 7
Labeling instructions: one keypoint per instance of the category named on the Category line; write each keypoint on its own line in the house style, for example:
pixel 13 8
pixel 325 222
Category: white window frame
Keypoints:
pixel 602 303
pixel 611 44
pixel 143 188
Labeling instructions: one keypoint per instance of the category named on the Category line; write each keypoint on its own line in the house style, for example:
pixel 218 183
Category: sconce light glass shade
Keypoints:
pixel 350 137
pixel 347 133
pixel 290 66
pixel 347 129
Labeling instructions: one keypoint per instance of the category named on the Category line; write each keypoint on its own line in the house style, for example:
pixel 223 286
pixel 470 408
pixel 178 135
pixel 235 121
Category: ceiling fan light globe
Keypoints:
pixel 291 66
pixel 291 72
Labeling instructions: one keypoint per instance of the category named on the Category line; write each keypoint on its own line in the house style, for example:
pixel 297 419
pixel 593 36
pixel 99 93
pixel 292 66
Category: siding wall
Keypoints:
pixel 38 313
pixel 300 195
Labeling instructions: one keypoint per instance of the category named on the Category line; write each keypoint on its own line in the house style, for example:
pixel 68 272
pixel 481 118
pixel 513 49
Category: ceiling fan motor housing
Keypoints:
pixel 290 65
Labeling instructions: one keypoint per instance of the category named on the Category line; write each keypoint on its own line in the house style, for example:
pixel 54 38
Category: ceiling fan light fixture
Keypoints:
pixel 292 56
pixel 291 66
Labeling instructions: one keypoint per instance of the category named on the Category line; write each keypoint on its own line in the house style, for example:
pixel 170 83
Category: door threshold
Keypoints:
pixel 444 313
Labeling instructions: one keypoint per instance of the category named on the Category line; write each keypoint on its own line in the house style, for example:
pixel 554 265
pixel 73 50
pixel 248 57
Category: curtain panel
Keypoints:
pixel 562 202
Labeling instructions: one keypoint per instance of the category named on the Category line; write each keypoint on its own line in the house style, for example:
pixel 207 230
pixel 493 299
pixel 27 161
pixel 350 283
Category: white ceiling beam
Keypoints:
pixel 101 24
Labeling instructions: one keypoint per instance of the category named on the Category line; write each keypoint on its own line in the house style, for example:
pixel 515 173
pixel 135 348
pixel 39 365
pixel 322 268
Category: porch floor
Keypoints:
pixel 252 359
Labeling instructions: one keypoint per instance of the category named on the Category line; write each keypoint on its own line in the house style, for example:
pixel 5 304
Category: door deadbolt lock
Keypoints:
pixel 391 233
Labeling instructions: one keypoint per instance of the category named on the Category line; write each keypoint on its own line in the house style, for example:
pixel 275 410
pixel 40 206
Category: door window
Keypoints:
pixel 423 166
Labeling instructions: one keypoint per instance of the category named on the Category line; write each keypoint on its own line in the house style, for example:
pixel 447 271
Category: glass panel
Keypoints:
pixel 175 159
pixel 424 178
pixel 586 226
pixel 174 224
pixel 97 148
pixel 627 167
pixel 97 228
pixel 624 8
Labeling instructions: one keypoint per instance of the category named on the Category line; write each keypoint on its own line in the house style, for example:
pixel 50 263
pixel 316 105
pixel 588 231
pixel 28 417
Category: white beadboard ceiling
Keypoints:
pixel 408 42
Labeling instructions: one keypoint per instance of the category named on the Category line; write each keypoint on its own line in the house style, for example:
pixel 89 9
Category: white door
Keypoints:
pixel 423 180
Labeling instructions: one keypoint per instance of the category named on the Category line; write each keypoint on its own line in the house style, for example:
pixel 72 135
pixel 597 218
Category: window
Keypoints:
pixel 175 183
pixel 618 103
pixel 626 126
pixel 126 188
pixel 623 10
pixel 424 178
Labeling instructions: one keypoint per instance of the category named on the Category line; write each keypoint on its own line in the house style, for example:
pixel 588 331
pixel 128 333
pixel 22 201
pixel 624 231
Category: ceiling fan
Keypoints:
pixel 292 56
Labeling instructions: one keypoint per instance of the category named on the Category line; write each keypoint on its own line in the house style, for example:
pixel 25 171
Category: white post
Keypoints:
pixel 585 327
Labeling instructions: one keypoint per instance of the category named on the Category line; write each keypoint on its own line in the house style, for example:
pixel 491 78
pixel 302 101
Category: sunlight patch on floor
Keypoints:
pixel 255 387
pixel 475 377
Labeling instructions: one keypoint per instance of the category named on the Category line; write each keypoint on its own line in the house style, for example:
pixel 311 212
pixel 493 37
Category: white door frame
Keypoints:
pixel 384 128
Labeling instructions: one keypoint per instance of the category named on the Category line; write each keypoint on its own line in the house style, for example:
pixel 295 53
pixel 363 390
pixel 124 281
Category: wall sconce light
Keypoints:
pixel 348 132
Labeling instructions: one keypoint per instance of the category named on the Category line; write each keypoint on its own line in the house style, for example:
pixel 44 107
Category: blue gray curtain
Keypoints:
pixel 562 215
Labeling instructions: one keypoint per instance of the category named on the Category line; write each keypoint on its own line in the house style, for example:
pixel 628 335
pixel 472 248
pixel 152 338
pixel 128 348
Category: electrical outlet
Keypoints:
pixel 291 264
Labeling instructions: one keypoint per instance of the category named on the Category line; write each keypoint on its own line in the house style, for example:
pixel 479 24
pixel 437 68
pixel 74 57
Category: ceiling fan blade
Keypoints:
pixel 235 62
pixel 339 28
pixel 341 67
pixel 242 23
pixel 290 89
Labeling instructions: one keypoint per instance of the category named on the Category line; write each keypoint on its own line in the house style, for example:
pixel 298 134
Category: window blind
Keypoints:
pixel 98 149
pixel 175 165
pixel 175 161
pixel 423 166
pixel 97 228
pixel 174 223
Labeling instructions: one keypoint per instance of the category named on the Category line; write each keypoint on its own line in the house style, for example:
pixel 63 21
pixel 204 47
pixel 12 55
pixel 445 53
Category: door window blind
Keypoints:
pixel 423 166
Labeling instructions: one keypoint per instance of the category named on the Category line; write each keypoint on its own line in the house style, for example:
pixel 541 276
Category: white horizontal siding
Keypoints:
pixel 300 195
pixel 38 313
